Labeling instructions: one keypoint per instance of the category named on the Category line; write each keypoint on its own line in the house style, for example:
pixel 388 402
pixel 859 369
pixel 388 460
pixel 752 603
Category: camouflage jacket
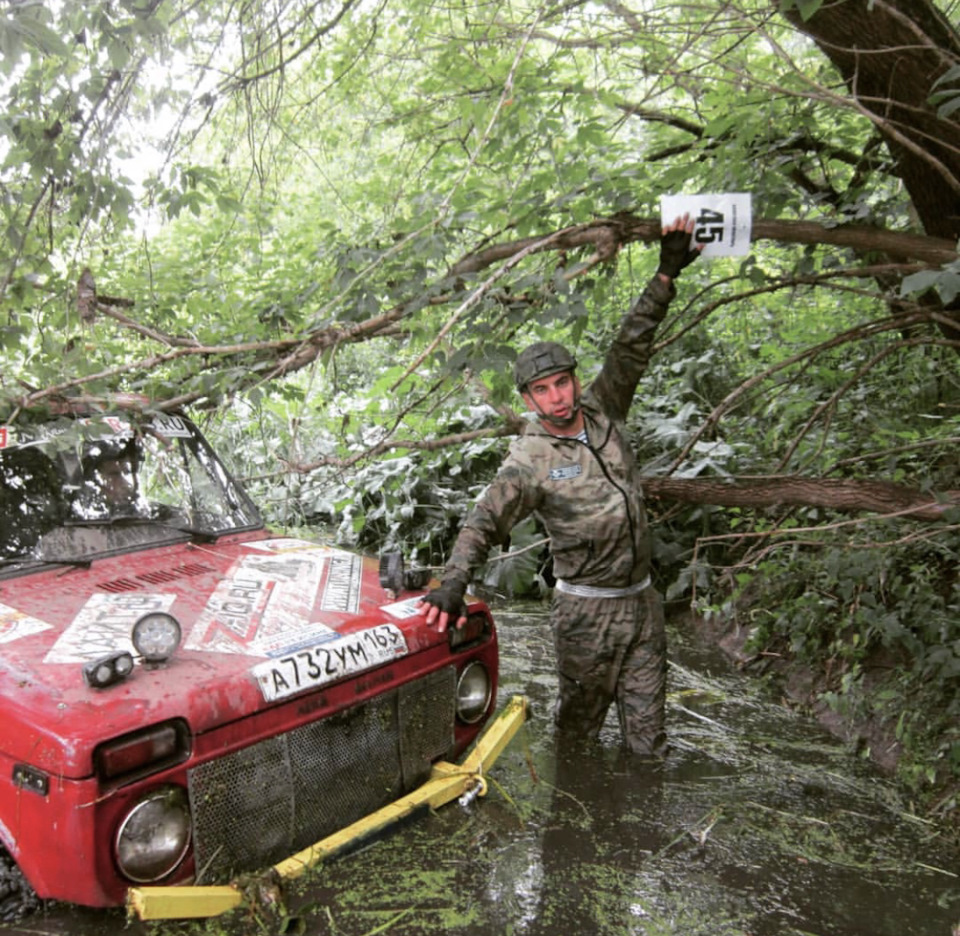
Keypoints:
pixel 588 497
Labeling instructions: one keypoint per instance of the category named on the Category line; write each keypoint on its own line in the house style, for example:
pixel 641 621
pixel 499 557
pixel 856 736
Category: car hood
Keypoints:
pixel 240 602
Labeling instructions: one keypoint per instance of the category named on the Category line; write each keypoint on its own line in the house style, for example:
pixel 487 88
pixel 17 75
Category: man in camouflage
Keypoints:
pixel 573 467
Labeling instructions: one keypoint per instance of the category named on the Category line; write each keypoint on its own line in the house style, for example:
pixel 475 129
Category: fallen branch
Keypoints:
pixel 847 496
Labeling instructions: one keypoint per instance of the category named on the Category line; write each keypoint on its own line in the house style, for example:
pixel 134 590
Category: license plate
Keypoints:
pixel 329 661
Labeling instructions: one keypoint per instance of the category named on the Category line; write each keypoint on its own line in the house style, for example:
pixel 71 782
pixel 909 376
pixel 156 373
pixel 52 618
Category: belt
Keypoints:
pixel 596 591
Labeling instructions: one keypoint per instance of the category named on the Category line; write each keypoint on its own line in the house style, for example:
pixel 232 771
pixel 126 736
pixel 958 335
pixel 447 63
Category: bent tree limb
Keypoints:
pixel 268 360
pixel 846 496
pixel 605 234
pixel 843 495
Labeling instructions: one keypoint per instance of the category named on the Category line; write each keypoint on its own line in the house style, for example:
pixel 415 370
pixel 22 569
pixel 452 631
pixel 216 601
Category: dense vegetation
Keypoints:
pixel 326 227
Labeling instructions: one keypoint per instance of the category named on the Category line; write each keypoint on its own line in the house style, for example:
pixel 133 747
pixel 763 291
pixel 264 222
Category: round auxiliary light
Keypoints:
pixel 155 835
pixel 156 636
pixel 473 692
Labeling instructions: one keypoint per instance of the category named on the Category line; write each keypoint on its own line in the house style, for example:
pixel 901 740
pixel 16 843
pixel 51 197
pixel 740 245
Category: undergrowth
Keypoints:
pixel 881 625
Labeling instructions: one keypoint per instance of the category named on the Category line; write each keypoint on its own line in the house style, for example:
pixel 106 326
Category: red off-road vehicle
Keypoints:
pixel 185 695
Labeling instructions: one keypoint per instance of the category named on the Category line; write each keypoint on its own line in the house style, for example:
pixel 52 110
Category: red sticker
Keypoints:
pixel 3 436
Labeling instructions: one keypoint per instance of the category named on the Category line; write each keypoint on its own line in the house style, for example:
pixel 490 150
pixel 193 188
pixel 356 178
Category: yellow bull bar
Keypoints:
pixel 447 782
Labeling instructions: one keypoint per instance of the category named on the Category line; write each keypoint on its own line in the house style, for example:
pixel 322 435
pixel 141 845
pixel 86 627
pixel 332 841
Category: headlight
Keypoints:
pixel 155 836
pixel 473 692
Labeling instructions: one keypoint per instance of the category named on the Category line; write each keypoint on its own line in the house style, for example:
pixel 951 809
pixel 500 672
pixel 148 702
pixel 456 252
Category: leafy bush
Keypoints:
pixel 881 622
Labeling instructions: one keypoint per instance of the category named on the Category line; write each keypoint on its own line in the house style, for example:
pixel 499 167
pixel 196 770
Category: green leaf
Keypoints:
pixel 808 7
pixel 951 74
pixel 949 107
pixel 919 282
pixel 24 28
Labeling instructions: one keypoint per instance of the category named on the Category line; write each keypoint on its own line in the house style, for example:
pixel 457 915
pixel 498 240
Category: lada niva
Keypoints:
pixel 185 695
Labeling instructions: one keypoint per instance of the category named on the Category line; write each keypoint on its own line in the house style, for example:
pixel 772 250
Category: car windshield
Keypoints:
pixel 75 488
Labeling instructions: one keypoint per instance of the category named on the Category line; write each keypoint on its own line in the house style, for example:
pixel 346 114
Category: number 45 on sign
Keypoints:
pixel 721 221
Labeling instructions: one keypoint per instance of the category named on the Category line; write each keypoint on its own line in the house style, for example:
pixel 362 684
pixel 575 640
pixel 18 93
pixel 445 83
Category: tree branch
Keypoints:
pixel 627 228
pixel 846 496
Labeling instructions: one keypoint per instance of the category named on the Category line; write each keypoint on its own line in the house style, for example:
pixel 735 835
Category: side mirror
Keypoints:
pixel 395 578
pixel 391 572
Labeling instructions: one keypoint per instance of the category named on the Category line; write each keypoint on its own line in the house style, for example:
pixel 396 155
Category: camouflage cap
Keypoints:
pixel 541 359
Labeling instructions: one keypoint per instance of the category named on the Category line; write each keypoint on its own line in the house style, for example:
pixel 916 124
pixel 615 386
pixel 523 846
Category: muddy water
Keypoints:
pixel 757 824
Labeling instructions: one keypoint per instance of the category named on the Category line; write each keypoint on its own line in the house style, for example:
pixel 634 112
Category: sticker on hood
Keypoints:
pixel 103 626
pixel 289 544
pixel 408 608
pixel 341 590
pixel 170 427
pixel 263 606
pixel 15 624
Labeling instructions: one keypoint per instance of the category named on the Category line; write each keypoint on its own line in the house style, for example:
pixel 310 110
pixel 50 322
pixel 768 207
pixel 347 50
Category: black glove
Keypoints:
pixel 448 597
pixel 675 253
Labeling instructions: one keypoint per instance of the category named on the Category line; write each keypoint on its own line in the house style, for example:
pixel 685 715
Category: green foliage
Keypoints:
pixel 806 8
pixel 947 99
pixel 520 569
pixel 411 502
pixel 882 624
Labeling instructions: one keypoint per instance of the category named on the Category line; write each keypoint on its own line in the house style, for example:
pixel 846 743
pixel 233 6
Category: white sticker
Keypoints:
pixel 403 609
pixel 285 545
pixel 263 606
pixel 329 661
pixel 171 427
pixel 15 624
pixel 722 222
pixel 119 425
pixel 341 590
pixel 103 626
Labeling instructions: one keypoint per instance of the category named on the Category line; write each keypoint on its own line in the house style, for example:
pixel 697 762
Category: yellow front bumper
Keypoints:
pixel 447 781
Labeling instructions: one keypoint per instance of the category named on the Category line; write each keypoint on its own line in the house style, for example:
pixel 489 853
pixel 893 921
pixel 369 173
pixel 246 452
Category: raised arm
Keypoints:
pixel 629 354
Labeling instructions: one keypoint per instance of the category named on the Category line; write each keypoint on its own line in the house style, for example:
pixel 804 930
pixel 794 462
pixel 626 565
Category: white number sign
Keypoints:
pixel 721 221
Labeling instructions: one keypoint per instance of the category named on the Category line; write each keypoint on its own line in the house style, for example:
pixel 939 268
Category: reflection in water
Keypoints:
pixel 757 823
pixel 598 828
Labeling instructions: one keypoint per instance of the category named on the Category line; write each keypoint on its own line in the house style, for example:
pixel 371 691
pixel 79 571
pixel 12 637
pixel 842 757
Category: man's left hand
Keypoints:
pixel 675 249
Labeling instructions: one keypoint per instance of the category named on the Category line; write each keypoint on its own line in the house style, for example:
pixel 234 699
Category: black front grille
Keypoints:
pixel 259 805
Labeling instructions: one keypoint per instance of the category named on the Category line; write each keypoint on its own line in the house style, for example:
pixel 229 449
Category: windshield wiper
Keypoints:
pixel 37 560
pixel 86 522
pixel 195 533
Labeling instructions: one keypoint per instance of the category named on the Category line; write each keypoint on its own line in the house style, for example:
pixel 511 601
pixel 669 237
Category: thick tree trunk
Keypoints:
pixel 890 54
pixel 845 496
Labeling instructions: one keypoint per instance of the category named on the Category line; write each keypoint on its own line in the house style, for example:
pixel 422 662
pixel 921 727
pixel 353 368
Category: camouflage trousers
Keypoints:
pixel 612 650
